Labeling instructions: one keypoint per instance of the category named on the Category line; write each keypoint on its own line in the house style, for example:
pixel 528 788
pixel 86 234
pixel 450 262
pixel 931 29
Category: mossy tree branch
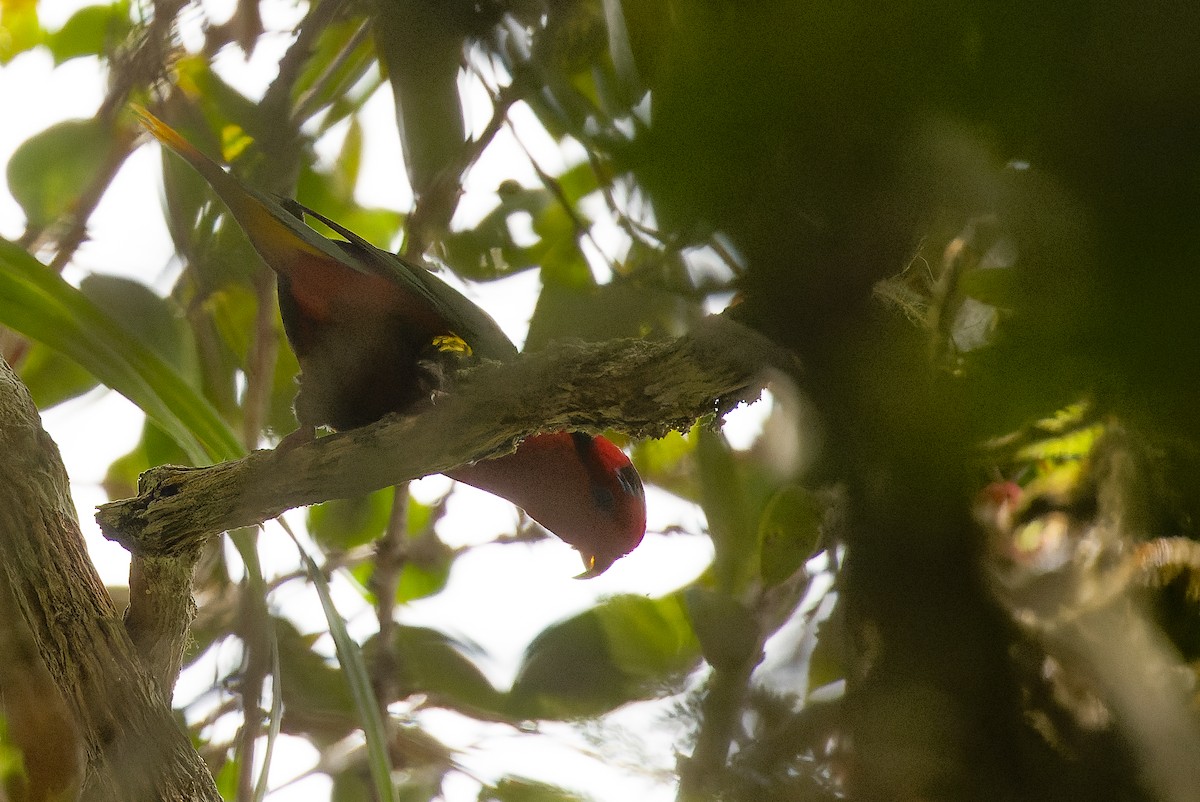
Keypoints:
pixel 643 388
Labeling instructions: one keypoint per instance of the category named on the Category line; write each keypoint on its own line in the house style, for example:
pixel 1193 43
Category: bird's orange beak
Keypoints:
pixel 595 566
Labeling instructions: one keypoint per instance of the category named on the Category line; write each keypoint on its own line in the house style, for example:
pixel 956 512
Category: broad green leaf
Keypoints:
pixel 568 673
pixel 226 778
pixel 19 28
pixel 145 315
pixel 428 576
pixel 826 663
pixel 349 162
pixel 626 648
pixel 351 785
pixel 727 632
pixel 519 789
pixel 574 37
pixel 557 249
pixel 788 532
pixel 421 46
pixel 723 493
pixel 648 639
pixel 91 31
pixel 488 251
pixel 578 182
pixel 315 697
pixel 317 86
pixel 621 308
pixel 426 568
pixel 51 377
pixel 342 524
pixel 39 304
pixel 48 172
pixel 997 286
pixel 666 462
pixel 434 664
pixel 221 103
pixel 647 27
pixel 354 670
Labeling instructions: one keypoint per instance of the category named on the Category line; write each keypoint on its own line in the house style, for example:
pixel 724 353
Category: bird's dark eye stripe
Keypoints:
pixel 603 498
pixel 631 483
pixel 583 444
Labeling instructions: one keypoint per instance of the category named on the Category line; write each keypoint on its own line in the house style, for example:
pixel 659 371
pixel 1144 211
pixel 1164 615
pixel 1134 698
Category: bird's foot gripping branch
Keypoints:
pixel 642 388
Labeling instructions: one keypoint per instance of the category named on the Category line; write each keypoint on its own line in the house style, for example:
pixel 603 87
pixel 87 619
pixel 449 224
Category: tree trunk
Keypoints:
pixel 59 607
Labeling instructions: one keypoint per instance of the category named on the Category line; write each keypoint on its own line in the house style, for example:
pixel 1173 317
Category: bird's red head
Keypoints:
pixel 580 487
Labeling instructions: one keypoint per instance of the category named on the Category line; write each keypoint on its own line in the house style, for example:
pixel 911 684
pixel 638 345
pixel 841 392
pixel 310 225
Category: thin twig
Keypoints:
pixel 391 555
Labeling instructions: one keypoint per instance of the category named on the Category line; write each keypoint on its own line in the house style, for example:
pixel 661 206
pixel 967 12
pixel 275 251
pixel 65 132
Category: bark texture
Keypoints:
pixel 134 748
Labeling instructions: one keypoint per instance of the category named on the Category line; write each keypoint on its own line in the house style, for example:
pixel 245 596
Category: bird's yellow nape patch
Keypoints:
pixel 451 344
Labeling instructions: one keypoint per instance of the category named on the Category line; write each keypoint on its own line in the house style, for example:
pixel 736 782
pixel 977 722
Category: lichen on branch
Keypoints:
pixel 644 388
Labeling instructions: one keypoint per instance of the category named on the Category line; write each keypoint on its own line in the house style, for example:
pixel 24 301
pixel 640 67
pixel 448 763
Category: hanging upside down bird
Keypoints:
pixel 364 323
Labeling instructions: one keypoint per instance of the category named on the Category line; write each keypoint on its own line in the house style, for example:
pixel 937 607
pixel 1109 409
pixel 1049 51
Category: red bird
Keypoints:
pixel 364 325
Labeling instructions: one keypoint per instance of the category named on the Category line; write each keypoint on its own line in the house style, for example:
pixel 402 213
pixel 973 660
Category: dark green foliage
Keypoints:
pixel 977 227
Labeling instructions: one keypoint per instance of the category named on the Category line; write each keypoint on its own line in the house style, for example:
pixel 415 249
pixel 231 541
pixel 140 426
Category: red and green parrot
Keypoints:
pixel 364 324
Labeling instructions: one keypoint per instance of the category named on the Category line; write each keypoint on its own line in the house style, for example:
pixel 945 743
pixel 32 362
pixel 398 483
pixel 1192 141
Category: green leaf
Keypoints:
pixel 723 497
pixel 578 182
pixel 788 532
pixel 826 663
pixel 421 579
pixel 422 48
pixel 145 315
pixel 19 28
pixel 568 673
pixel 519 789
pixel 348 69
pixel 433 664
pixel 316 701
pixel 342 524
pixel 621 308
pixel 39 304
pixel 51 377
pixel 649 640
pixel 997 286
pixel 226 778
pixel 349 162
pixel 728 633
pixel 354 670
pixel 647 28
pixel 557 249
pixel 49 171
pixel 352 785
pixel 626 648
pixel 665 462
pixel 91 31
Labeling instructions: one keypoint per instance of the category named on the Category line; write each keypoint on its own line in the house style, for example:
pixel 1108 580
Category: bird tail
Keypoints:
pixel 189 152
pixel 273 231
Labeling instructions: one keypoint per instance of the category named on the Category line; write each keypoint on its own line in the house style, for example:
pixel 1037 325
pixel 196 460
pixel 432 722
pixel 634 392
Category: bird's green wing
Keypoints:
pixel 288 246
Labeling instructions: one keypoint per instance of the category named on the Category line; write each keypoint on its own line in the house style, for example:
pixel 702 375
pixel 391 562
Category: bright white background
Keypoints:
pixel 499 597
